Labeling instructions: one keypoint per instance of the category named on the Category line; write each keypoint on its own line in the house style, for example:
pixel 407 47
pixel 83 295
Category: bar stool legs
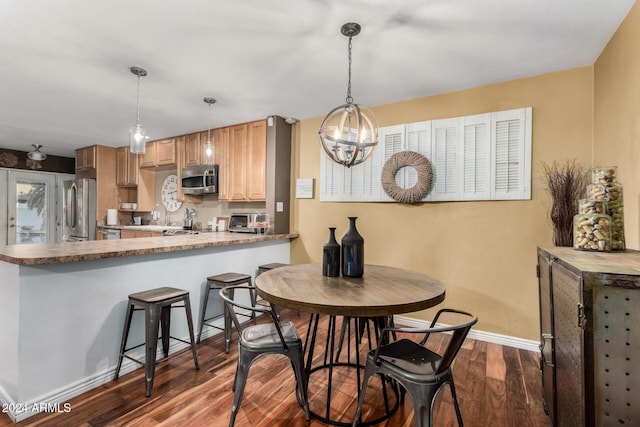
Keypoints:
pixel 220 281
pixel 157 305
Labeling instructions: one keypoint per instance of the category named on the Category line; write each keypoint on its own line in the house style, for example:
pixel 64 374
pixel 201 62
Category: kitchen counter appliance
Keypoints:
pixel 249 222
pixel 202 179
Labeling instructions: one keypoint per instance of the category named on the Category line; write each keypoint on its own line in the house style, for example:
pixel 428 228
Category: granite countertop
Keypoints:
pixel 58 253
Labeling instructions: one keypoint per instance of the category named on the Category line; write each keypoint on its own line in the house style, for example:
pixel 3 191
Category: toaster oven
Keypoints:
pixel 249 223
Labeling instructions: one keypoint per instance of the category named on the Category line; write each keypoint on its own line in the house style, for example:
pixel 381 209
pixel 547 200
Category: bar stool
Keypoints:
pixel 266 267
pixel 157 305
pixel 217 282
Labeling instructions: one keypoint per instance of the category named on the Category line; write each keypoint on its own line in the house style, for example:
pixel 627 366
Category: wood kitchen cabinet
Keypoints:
pixel 221 158
pixel 257 160
pixel 103 171
pixel 131 234
pixel 86 158
pixel 192 150
pixel 590 336
pixel 238 162
pixel 135 185
pixel 159 153
pixel 182 150
pixel 243 163
pixel 126 167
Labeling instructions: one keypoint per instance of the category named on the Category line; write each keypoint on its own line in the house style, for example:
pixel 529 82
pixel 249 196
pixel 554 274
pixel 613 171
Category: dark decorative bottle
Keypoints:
pixel 352 251
pixel 331 255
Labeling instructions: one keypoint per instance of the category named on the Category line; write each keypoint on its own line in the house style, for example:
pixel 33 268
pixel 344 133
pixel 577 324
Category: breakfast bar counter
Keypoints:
pixel 56 253
pixel 62 306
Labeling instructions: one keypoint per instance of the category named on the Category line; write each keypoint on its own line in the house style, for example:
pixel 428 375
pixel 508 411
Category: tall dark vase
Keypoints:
pixel 331 255
pixel 352 251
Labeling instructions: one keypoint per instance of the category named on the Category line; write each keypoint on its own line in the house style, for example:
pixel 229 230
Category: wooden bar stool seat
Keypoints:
pixel 266 267
pixel 157 305
pixel 218 282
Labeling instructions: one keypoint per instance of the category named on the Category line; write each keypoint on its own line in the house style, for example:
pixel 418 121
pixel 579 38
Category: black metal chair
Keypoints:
pixel 419 371
pixel 258 340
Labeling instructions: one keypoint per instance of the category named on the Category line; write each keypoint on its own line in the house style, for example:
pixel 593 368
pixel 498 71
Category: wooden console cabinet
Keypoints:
pixel 590 336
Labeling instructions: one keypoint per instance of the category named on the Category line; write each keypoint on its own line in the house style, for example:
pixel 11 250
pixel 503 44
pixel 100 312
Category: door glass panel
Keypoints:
pixel 31 212
pixel 31 206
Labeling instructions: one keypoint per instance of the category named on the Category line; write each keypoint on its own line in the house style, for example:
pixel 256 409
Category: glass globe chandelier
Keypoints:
pixel 349 133
pixel 208 148
pixel 137 138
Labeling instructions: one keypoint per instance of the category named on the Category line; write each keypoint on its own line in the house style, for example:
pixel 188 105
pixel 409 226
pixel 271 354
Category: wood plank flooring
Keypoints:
pixel 496 386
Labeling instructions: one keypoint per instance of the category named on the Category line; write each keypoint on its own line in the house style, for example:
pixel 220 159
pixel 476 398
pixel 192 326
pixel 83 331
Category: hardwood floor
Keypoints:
pixel 496 386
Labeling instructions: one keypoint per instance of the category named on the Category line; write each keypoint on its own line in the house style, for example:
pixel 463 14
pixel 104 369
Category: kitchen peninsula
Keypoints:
pixel 63 305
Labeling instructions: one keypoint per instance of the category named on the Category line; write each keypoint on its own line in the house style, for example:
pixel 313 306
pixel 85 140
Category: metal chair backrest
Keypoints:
pixel 227 294
pixel 458 332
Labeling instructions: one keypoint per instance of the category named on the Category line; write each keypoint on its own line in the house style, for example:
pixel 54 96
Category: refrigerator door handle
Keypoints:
pixel 71 205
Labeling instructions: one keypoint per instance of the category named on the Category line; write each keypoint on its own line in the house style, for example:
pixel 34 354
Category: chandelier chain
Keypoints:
pixel 349 97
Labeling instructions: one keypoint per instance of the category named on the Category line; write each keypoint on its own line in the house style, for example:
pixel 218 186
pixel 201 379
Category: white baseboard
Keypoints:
pixel 477 335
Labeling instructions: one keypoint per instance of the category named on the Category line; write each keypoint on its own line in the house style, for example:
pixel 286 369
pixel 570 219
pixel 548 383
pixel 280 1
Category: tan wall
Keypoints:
pixel 617 116
pixel 484 252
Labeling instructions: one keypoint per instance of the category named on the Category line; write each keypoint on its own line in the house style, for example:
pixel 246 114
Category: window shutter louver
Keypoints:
pixel 512 139
pixel 476 157
pixel 444 152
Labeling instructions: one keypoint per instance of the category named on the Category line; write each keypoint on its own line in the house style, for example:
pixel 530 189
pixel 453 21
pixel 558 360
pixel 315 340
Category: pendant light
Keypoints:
pixel 349 133
pixel 137 139
pixel 36 154
pixel 208 148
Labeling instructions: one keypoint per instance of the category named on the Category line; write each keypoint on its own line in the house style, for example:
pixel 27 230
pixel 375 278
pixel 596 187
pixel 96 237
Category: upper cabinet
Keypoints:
pixel 192 149
pixel 184 148
pixel 126 167
pixel 221 158
pixel 99 162
pixel 257 161
pixel 242 159
pixel 86 158
pixel 159 153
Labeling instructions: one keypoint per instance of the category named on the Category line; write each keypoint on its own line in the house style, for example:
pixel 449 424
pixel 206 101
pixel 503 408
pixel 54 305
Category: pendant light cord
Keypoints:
pixel 349 98
pixel 138 103
pixel 209 126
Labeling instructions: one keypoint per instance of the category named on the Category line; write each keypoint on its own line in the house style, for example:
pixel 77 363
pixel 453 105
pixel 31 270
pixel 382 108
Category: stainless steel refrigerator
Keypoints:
pixel 79 209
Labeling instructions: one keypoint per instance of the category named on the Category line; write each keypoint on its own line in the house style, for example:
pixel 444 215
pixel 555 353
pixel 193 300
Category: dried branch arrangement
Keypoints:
pixel 566 183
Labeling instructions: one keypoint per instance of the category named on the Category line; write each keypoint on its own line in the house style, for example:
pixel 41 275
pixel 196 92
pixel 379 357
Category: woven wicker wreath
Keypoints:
pixel 425 176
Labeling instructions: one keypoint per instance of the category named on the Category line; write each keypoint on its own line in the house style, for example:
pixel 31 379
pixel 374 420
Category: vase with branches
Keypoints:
pixel 566 182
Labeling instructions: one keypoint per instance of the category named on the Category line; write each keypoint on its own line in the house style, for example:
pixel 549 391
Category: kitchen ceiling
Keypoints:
pixel 65 80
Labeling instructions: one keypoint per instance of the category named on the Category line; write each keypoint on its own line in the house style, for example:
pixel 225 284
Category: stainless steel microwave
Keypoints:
pixel 202 179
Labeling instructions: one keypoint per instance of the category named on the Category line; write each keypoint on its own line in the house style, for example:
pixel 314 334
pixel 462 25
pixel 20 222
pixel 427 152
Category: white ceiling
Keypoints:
pixel 64 65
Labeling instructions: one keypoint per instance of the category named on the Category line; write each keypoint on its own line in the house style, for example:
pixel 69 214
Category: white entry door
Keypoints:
pixel 31 207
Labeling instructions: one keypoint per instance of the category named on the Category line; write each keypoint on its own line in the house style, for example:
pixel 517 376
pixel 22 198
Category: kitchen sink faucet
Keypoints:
pixel 155 215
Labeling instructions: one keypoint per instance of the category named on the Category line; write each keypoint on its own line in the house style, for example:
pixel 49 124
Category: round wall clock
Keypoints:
pixel 170 193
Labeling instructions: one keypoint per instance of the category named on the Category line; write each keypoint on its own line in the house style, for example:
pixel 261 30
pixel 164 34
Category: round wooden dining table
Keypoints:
pixel 379 294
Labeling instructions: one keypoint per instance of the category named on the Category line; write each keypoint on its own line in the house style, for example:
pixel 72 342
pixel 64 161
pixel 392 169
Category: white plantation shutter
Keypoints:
pixel 479 157
pixel 418 140
pixel 444 161
pixel 392 141
pixel 330 178
pixel 476 166
pixel 511 156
